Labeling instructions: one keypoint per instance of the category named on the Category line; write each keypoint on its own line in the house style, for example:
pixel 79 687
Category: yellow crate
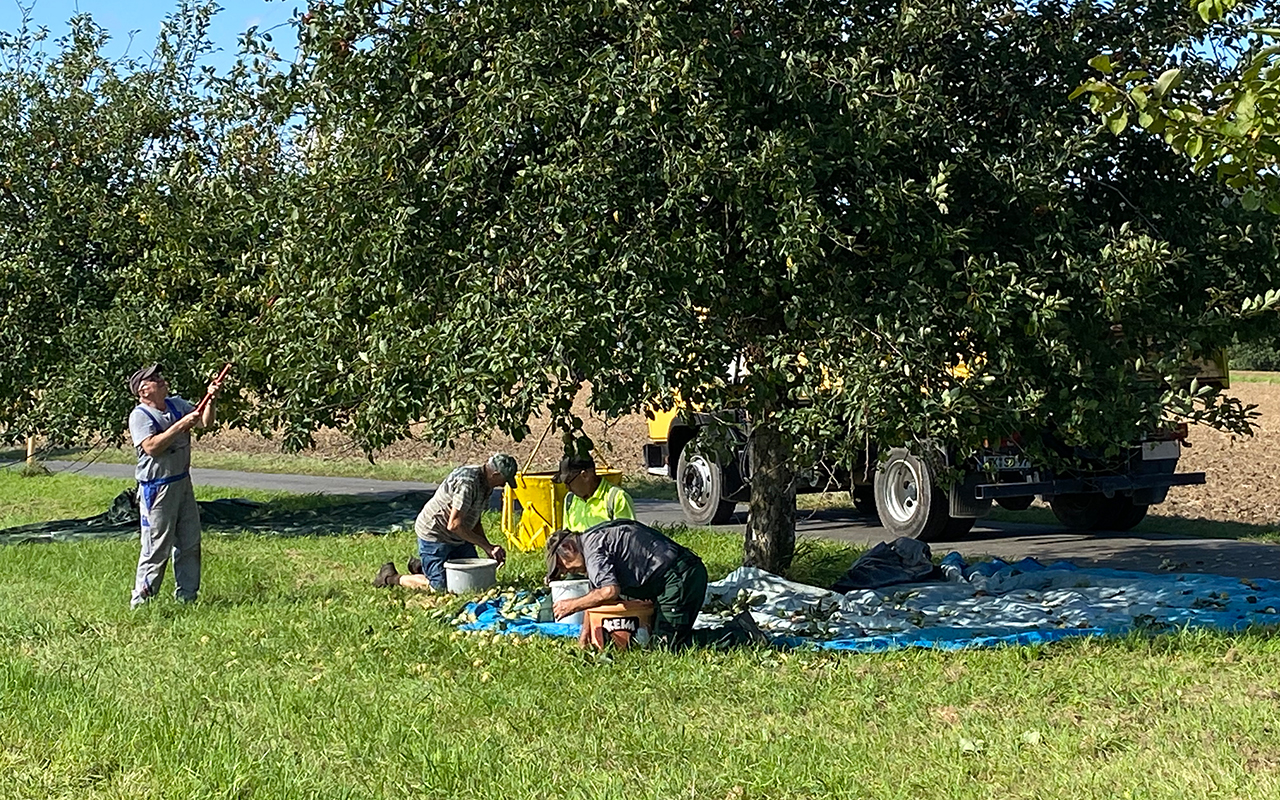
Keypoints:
pixel 542 504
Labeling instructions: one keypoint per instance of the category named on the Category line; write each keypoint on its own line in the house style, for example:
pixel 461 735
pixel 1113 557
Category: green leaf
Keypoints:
pixel 1167 80
pixel 1102 63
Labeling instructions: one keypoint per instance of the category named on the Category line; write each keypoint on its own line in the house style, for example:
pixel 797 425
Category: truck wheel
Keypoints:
pixel 1079 512
pixel 700 486
pixel 1121 514
pixel 908 499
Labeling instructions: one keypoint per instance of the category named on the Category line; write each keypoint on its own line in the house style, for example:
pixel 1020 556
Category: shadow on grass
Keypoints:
pixel 298 515
pixel 827 512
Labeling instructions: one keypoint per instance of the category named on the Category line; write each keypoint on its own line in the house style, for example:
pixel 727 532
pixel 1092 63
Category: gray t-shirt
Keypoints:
pixel 467 490
pixel 626 554
pixel 145 421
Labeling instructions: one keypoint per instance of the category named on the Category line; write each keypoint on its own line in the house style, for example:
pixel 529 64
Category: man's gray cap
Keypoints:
pixel 506 465
pixel 553 544
pixel 145 373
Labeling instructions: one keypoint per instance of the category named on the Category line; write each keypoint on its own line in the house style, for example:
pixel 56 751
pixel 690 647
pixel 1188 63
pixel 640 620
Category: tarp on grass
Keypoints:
pixel 985 604
pixel 380 515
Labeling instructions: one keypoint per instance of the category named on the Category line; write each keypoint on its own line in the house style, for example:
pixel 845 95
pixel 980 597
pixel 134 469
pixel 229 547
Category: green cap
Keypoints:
pixel 506 465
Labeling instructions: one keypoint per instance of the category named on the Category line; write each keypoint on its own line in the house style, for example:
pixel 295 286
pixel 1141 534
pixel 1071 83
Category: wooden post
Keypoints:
pixel 31 451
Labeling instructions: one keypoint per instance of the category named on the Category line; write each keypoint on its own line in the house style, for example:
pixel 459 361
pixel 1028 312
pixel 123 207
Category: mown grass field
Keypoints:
pixel 1255 377
pixel 294 678
pixel 287 463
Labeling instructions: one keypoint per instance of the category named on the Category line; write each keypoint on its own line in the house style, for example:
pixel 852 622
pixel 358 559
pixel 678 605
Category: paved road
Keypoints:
pixel 272 482
pixel 1150 552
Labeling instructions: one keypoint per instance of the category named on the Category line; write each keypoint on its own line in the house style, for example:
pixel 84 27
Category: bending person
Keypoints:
pixel 625 559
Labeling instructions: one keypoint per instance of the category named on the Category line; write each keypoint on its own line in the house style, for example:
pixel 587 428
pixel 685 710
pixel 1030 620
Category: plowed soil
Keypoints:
pixel 1242 471
pixel 618 443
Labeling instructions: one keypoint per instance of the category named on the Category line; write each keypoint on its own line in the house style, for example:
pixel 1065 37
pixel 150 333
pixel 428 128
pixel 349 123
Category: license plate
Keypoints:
pixel 1160 451
pixel 1005 463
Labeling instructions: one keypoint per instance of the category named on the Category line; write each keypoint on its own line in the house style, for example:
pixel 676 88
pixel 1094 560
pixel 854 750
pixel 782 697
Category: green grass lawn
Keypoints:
pixel 286 463
pixel 1255 377
pixel 293 677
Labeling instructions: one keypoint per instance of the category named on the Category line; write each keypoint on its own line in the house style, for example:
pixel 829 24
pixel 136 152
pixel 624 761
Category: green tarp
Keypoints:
pixel 379 515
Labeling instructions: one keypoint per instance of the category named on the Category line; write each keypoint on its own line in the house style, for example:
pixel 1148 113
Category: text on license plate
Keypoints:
pixel 1006 462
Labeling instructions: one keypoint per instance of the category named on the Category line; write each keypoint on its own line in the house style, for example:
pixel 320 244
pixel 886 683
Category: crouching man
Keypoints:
pixel 448 526
pixel 625 559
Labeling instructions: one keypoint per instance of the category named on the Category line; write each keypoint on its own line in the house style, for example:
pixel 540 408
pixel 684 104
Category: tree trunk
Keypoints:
pixel 771 524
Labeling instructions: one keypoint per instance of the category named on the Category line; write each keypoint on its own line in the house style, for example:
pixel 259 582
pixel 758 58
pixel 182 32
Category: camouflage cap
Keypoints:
pixel 506 465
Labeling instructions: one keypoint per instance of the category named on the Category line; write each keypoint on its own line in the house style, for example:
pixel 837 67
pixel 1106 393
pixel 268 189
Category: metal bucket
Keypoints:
pixel 567 590
pixel 470 574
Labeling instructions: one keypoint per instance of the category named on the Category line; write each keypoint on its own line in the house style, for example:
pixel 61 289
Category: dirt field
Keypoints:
pixel 1242 472
pixel 618 445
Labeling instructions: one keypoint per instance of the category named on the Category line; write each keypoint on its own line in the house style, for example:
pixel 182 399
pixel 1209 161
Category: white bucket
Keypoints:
pixel 470 574
pixel 567 590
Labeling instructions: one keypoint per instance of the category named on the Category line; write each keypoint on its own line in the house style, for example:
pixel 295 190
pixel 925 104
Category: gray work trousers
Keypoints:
pixel 170 528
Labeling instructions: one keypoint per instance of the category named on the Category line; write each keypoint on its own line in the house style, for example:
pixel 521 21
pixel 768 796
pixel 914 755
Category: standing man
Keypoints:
pixel 160 426
pixel 448 526
pixel 590 500
pixel 627 559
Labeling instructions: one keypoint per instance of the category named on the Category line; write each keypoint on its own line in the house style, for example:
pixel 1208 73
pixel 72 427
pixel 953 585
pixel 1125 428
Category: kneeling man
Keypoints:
pixel 625 559
pixel 448 526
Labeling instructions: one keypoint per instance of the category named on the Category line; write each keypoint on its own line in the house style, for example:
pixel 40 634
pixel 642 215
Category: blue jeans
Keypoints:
pixel 434 554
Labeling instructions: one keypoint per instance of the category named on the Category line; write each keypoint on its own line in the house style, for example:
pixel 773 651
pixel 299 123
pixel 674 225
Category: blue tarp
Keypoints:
pixel 986 604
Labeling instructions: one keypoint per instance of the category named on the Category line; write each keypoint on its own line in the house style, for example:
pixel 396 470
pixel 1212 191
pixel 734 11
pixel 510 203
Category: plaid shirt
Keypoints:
pixel 467 490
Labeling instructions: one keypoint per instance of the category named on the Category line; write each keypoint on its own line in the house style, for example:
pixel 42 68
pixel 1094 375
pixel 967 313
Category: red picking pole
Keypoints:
pixel 222 376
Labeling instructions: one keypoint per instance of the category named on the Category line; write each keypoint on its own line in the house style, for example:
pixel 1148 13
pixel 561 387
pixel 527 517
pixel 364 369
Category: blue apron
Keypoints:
pixel 149 488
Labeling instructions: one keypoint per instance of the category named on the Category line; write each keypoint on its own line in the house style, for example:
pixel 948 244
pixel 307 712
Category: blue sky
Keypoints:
pixel 122 17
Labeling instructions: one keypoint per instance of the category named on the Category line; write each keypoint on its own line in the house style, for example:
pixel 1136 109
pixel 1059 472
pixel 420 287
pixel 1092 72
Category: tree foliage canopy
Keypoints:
pixel 129 204
pixel 499 200
pixel 1221 111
